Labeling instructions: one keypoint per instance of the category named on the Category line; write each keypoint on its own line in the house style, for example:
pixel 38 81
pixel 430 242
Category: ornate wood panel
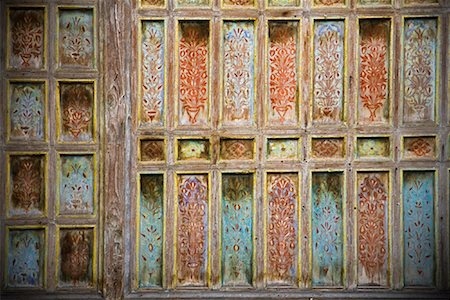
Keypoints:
pixel 224 148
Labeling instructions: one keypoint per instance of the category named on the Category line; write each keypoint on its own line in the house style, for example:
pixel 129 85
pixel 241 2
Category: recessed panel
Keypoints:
pixel 325 148
pixel 152 150
pixel 237 229
pixel 420 147
pixel 282 149
pixel 327 197
pixel 236 149
pixel 373 147
pixel 374 3
pixel 193 149
pixel 328 3
pixel 152 3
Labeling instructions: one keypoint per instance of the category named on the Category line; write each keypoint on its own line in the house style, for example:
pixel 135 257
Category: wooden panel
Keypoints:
pixel 420 147
pixel 233 149
pixel 327 148
pixel 237 229
pixel 418 228
pixel 193 149
pixel 327 197
pixel 375 147
pixel 282 149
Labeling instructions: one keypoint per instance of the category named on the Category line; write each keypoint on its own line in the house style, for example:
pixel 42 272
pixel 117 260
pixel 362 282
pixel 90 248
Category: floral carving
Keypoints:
pixel 77 112
pixel 193 73
pixel 238 62
pixel 328 71
pixel 420 69
pixel 76 262
pixel 27 111
pixel 27 194
pixel 77 37
pixel 236 149
pixel 327 148
pixel 373 74
pixel 283 73
pixel 192 229
pixel 372 227
pixel 27 38
pixel 282 231
pixel 152 73
pixel 152 150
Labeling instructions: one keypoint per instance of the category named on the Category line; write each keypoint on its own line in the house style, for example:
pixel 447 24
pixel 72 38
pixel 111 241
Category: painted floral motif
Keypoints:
pixel 193 57
pixel 236 149
pixel 152 73
pixel 193 149
pixel 238 2
pixel 328 71
pixel 238 66
pixel 282 228
pixel 327 148
pixel 282 149
pixel 27 185
pixel 283 73
pixel 77 185
pixel 192 233
pixel 76 257
pixel 152 150
pixel 77 100
pixel 327 229
pixel 27 38
pixel 151 231
pixel 27 111
pixel 152 2
pixel 372 228
pixel 26 257
pixel 373 147
pixel 237 229
pixel 418 219
pixel 420 147
pixel 193 3
pixel 373 105
pixel 76 33
pixel 282 3
pixel 420 39
pixel 329 2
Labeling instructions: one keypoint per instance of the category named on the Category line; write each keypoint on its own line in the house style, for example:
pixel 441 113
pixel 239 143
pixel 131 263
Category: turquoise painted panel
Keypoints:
pixel 26 252
pixel 237 229
pixel 151 231
pixel 418 228
pixel 76 185
pixel 327 228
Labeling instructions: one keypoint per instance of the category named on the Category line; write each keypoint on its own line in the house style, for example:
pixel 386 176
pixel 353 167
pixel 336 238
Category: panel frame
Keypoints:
pixel 195 161
pixel 344 138
pixel 437 142
pixel 265 151
pixel 389 158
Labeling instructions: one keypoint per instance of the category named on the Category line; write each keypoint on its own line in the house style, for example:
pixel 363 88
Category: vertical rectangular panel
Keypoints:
pixel 76 44
pixel 327 228
pixel 283 78
pixel 328 87
pixel 76 186
pixel 76 257
pixel 26 185
pixel 26 258
pixel 282 228
pixel 76 112
pixel 373 218
pixel 374 71
pixel 237 229
pixel 418 228
pixel 193 73
pixel 419 69
pixel 192 230
pixel 26 37
pixel 150 237
pixel 27 111
pixel 238 54
pixel 152 87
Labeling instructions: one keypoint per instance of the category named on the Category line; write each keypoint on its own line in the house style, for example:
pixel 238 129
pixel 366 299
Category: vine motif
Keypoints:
pixel 192 229
pixel 372 226
pixel 237 229
pixel 75 257
pixel 373 70
pixel 153 73
pixel 27 111
pixel 420 147
pixel 327 229
pixel 418 229
pixel 193 56
pixel 76 33
pixel 27 188
pixel 328 71
pixel 77 185
pixel 420 60
pixel 326 148
pixel 283 73
pixel 282 230
pixel 27 38
pixel 236 149
pixel 77 112
pixel 238 72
